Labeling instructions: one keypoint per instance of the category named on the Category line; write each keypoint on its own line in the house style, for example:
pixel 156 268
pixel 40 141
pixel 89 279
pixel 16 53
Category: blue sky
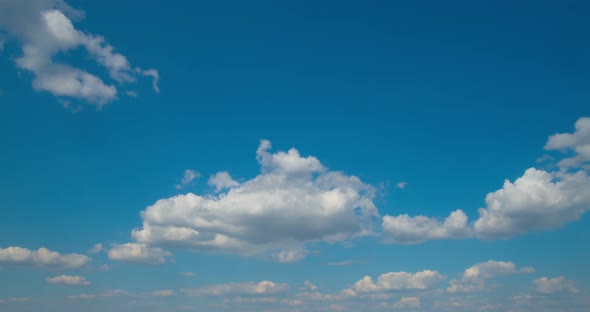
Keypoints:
pixel 294 156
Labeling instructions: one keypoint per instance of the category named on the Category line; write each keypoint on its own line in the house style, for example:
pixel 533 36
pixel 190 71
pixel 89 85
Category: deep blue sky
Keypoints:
pixel 451 98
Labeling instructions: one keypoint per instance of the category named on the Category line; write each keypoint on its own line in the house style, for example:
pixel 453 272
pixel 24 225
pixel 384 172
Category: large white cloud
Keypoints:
pixel 538 200
pixel 44 28
pixel 138 253
pixel 43 257
pixel 474 277
pixel 294 200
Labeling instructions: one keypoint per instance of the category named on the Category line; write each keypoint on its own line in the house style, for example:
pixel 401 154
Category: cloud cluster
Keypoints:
pixel 43 257
pixel 45 30
pixel 294 200
pixel 538 200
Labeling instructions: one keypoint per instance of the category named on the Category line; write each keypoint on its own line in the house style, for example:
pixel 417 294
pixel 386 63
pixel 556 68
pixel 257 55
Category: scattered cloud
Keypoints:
pixel 408 302
pixel 577 142
pixel 163 293
pixel 250 288
pixel 187 178
pixel 546 285
pixel 294 200
pixel 474 277
pixel 408 230
pixel 222 180
pixel 398 281
pixel 68 280
pixel 43 257
pixel 188 274
pixel 15 299
pixel 96 249
pixel 401 185
pixel 138 253
pixel 44 28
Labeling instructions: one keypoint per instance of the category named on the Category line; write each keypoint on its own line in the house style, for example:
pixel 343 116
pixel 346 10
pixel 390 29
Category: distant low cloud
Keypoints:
pixel 43 257
pixel 68 280
pixel 163 293
pixel 474 277
pixel 44 28
pixel 138 253
pixel 545 285
pixel 250 288
pixel 401 185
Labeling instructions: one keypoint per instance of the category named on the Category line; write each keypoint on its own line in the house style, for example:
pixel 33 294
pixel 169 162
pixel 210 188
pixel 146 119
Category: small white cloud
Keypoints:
pixel 408 302
pixel 96 249
pixel 402 185
pixel 131 94
pixel 577 142
pixel 308 286
pixel 188 177
pixel 409 230
pixel 163 293
pixel 151 73
pixel 546 285
pixel 398 281
pixel 68 280
pixel 251 288
pixel 188 274
pixel 222 180
pixel 15 299
pixel 291 254
pixel 138 253
pixel 42 257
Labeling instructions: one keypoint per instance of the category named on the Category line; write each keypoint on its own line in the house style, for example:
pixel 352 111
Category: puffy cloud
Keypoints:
pixel 473 278
pixel 398 281
pixel 536 201
pixel 163 293
pixel 250 288
pixel 96 249
pixel 546 285
pixel 68 280
pixel 42 257
pixel 222 180
pixel 577 142
pixel 187 178
pixel 308 286
pixel 294 200
pixel 45 28
pixel 138 253
pixel 408 302
pixel 407 229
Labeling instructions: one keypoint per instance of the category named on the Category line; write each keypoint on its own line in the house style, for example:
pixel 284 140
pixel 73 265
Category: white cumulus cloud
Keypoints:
pixel 546 285
pixel 138 253
pixel 474 278
pixel 407 229
pixel 42 257
pixel 44 28
pixel 294 200
pixel 188 177
pixel 398 281
pixel 222 180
